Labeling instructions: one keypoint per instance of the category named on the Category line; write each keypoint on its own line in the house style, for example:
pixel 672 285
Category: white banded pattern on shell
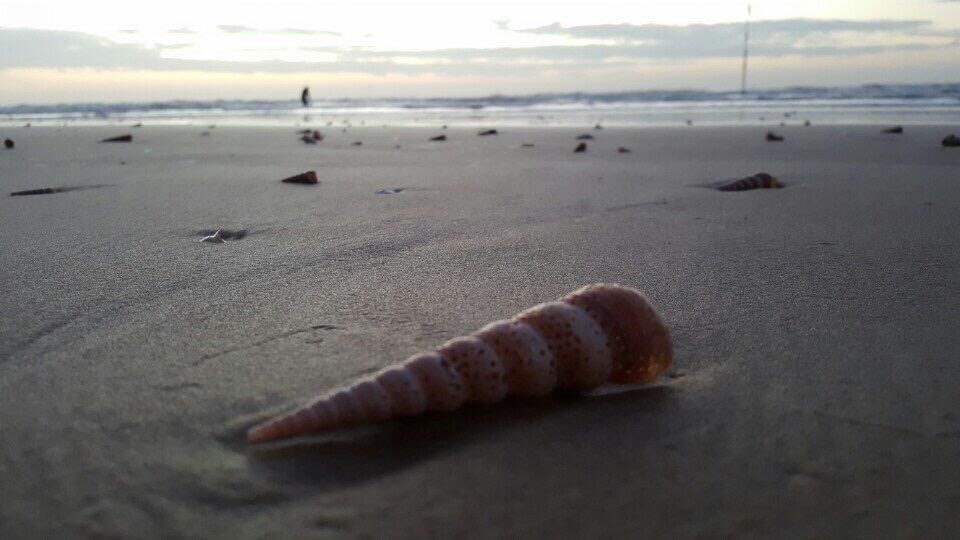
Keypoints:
pixel 597 334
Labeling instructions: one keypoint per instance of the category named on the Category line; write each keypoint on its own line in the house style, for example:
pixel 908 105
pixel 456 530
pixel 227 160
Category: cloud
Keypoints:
pixel 174 46
pixel 585 48
pixel 807 37
pixel 240 29
pixel 236 29
pixel 29 48
pixel 305 31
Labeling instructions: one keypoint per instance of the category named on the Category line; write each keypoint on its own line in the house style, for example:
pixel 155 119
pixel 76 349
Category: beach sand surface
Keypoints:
pixel 813 393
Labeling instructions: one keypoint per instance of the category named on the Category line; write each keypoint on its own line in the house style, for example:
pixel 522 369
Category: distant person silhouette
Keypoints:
pixel 305 96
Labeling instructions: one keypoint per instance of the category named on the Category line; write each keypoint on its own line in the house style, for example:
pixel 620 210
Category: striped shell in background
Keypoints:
pixel 601 333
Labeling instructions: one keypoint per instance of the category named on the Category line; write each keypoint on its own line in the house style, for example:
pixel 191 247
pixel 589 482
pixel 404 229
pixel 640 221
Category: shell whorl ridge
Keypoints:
pixel 598 334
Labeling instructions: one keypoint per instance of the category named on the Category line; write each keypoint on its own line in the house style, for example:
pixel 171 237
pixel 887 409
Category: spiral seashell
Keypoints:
pixel 598 334
pixel 757 181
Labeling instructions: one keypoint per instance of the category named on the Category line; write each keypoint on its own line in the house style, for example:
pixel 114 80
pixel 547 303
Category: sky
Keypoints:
pixel 53 51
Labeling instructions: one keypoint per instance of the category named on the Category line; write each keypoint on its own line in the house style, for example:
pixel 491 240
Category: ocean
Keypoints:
pixel 869 104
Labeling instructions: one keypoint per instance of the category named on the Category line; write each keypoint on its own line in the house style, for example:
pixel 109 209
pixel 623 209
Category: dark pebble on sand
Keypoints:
pixel 527 145
pixel 486 132
pixel 119 138
pixel 894 130
pixel 582 147
pixel 357 143
pixel 623 150
pixel 773 137
pixel 439 138
pixel 951 141
pixel 585 137
pixel 8 144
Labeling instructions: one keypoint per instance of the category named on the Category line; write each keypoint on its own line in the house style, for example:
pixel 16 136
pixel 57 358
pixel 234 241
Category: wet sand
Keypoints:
pixel 814 390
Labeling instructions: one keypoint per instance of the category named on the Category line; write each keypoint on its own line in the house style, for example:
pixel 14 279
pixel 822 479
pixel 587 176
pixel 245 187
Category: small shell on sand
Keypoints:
pixel 118 138
pixel 757 181
pixel 215 238
pixel 309 177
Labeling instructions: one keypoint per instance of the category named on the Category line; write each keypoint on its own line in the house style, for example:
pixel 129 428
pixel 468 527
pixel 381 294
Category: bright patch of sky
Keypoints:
pixel 373 41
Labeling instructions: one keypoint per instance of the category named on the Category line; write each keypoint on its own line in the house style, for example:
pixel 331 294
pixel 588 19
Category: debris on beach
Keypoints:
pixel 310 136
pixel 951 141
pixel 389 191
pixel 623 150
pixel 585 137
pixel 527 145
pixel 118 138
pixel 806 123
pixel 582 147
pixel 215 238
pixel 487 132
pixel 773 137
pixel 309 177
pixel 689 122
pixel 598 126
pixel 41 191
pixel 137 125
pixel 896 130
pixel 443 126
pixel 439 138
pixel 225 234
pixel 8 144
pixel 357 143
pixel 204 133
pixel 757 181
pixel 603 333
pixel 50 191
